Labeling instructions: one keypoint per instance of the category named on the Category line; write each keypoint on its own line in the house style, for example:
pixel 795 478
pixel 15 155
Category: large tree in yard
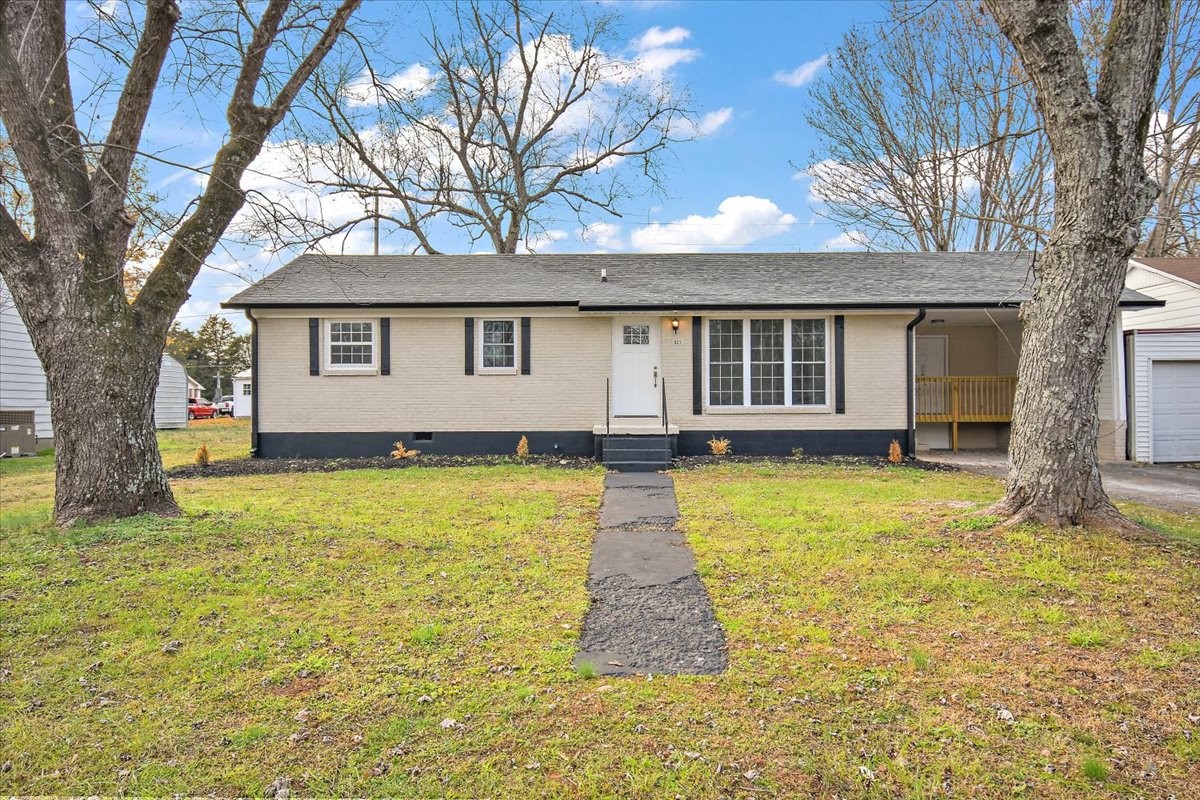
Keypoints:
pixel 1097 132
pixel 66 268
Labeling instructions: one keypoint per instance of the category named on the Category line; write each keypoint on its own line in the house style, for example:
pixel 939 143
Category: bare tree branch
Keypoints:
pixel 516 115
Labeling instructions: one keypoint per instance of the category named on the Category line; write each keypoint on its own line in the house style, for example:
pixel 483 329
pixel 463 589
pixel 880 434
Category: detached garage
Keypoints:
pixel 1164 395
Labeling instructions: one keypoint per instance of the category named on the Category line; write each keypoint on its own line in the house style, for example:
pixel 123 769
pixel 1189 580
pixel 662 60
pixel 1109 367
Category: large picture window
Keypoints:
pixel 499 343
pixel 351 345
pixel 770 362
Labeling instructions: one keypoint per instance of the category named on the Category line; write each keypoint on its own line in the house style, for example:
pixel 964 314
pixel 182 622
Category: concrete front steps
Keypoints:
pixel 636 452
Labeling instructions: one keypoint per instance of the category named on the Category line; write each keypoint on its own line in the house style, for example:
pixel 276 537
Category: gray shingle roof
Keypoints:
pixel 658 282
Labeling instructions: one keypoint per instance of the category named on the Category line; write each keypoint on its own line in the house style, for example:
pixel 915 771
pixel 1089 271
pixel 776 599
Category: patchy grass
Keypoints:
pixel 410 632
pixel 935 624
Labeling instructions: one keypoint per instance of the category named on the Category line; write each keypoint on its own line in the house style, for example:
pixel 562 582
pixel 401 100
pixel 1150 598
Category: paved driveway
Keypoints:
pixel 1174 487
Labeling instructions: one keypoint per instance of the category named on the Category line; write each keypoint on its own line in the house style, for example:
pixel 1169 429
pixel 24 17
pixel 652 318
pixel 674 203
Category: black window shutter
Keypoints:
pixel 314 346
pixel 525 345
pixel 697 366
pixel 469 330
pixel 839 364
pixel 385 346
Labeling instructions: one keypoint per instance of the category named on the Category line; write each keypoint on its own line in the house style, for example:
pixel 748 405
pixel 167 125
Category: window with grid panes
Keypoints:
pixel 499 344
pixel 767 362
pixel 808 362
pixel 725 365
pixel 351 344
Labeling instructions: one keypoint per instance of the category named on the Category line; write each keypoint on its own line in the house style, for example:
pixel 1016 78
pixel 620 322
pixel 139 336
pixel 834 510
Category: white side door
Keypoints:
pixel 636 361
pixel 932 358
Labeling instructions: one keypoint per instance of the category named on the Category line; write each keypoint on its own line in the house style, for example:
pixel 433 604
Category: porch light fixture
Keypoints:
pixel 675 324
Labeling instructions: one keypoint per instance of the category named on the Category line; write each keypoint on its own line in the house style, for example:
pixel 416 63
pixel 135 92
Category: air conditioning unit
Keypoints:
pixel 17 437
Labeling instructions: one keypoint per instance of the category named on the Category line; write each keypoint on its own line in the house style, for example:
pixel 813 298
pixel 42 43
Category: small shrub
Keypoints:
pixel 403 452
pixel 523 447
pixel 895 455
pixel 1094 769
pixel 718 447
pixel 797 452
pixel 202 456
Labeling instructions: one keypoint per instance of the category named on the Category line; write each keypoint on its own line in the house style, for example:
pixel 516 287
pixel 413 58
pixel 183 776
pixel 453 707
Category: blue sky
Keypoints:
pixel 745 66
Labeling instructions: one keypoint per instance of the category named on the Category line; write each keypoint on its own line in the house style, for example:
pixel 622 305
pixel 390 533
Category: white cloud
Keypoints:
pixel 740 220
pixel 713 121
pixel 849 240
pixel 541 242
pixel 660 37
pixel 414 80
pixel 656 50
pixel 803 73
pixel 108 9
pixel 605 235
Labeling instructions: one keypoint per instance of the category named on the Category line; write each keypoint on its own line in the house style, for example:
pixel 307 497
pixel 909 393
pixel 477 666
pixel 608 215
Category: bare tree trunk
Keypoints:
pixel 1102 194
pixel 106 451
pixel 1055 475
pixel 102 353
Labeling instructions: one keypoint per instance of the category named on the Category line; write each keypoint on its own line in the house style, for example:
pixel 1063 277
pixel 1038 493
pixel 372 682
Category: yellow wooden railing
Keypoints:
pixel 965 398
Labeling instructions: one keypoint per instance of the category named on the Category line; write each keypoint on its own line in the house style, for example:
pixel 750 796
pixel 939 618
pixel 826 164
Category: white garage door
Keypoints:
pixel 1175 410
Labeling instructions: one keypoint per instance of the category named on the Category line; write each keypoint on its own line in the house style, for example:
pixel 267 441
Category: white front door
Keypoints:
pixel 932 358
pixel 636 389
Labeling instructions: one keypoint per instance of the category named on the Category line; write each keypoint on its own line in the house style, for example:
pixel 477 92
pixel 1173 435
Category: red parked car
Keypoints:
pixel 199 408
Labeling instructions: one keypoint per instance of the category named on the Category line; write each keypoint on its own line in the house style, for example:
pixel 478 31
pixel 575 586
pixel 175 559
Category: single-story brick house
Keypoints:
pixel 832 353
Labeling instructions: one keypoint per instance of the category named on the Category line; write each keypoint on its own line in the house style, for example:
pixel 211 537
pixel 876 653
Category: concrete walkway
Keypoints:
pixel 1174 487
pixel 649 611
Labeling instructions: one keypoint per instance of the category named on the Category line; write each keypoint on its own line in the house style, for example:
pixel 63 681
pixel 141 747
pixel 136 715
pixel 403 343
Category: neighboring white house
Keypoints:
pixel 1162 348
pixel 23 383
pixel 243 394
pixel 194 388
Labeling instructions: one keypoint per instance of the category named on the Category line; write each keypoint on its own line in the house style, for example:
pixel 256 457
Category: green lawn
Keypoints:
pixel 328 627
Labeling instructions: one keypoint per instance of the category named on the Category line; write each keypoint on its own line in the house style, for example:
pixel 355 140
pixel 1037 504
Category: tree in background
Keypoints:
pixel 223 351
pixel 523 115
pixel 1174 145
pixel 212 353
pixel 66 264
pixel 929 138
pixel 1097 131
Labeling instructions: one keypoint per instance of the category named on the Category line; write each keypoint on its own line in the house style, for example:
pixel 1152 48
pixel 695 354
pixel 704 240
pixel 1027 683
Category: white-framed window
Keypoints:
pixel 767 362
pixel 350 345
pixel 247 389
pixel 498 345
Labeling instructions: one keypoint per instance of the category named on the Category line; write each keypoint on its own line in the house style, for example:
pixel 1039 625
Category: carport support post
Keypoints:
pixel 911 387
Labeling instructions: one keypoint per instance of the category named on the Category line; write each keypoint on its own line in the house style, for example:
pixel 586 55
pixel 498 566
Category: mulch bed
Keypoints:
pixel 875 462
pixel 277 466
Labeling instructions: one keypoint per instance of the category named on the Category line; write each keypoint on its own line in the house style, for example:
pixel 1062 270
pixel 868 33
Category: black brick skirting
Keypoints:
pixel 570 443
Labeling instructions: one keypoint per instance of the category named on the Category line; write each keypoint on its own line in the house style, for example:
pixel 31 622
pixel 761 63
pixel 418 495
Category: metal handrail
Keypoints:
pixel 666 428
